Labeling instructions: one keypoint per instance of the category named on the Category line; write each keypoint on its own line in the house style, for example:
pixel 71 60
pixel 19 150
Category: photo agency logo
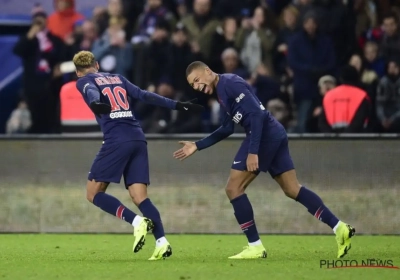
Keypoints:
pixel 366 263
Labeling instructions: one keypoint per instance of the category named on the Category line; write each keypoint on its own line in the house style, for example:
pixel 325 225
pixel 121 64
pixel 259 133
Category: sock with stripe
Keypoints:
pixel 113 206
pixel 245 217
pixel 316 207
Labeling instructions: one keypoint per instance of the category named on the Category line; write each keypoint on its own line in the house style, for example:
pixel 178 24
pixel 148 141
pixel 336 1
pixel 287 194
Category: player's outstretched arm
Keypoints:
pixel 155 99
pixel 190 148
pixel 218 135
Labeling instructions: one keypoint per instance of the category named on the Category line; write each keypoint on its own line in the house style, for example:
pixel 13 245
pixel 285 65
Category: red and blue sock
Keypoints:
pixel 245 217
pixel 316 207
pixel 113 206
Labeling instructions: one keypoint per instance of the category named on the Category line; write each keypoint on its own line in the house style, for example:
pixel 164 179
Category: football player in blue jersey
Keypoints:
pixel 265 149
pixel 124 149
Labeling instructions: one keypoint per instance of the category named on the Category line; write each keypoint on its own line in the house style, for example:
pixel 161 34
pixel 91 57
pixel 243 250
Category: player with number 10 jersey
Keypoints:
pixel 124 149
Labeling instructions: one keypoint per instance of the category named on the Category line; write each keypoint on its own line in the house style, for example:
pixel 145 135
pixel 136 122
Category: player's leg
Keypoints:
pixel 239 180
pixel 96 194
pixel 282 170
pixel 136 175
pixel 108 167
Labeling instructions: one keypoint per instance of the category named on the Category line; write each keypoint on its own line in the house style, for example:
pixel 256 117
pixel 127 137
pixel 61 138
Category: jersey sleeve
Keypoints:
pixel 148 97
pixel 226 129
pixel 251 108
pixel 88 90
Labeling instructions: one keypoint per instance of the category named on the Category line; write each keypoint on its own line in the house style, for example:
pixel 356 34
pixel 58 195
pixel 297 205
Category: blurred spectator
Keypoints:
pixel 334 21
pixel 113 12
pixel 372 60
pixel 112 51
pixel 201 26
pixel 131 11
pixel 368 78
pixel 154 12
pixel 388 99
pixel 390 44
pixel 256 39
pixel 231 63
pixel 20 119
pixel 264 86
pixel 364 15
pixel 223 38
pixel 182 54
pixel 346 108
pixel 61 23
pixel 325 84
pixel 290 16
pixel 158 58
pixel 82 38
pixel 41 52
pixel 310 56
pixel 158 76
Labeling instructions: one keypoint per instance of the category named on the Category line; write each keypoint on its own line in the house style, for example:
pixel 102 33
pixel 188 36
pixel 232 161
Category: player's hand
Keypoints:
pixel 252 162
pixel 188 149
pixel 189 106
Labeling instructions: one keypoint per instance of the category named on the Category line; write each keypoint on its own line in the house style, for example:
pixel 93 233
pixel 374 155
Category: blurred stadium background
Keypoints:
pixel 44 164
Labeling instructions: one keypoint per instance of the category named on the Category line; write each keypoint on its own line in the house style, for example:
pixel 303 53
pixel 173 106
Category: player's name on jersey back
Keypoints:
pixel 108 80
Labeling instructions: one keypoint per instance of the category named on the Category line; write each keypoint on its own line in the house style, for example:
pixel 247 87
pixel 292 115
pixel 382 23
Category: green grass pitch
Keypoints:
pixel 102 256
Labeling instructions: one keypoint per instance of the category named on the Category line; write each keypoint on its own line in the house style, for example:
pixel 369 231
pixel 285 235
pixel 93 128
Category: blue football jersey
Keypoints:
pixel 113 89
pixel 244 108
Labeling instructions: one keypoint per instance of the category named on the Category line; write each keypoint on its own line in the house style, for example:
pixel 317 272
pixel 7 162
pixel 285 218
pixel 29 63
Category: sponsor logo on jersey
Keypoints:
pixel 122 114
pixel 237 117
pixel 241 96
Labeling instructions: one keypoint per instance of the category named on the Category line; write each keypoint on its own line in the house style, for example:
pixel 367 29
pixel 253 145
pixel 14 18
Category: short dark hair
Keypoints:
pixel 391 15
pixel 195 65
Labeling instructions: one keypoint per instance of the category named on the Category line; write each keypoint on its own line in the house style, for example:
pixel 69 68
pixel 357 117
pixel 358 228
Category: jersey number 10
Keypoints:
pixel 117 97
